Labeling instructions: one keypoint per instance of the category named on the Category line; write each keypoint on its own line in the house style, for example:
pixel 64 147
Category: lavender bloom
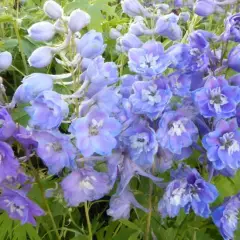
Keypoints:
pixel 120 206
pixel 167 26
pixel 8 164
pixel 226 215
pixel 140 140
pixel 188 190
pixel 183 3
pixel 41 57
pixel 204 8
pixel 47 111
pixel 56 150
pixel 216 98
pixel 149 60
pixel 53 9
pixel 133 8
pixel 85 185
pixel 234 59
pixel 176 132
pixel 223 145
pixel 42 31
pixel 78 19
pixel 90 45
pixel 18 206
pixel 128 41
pixel 139 28
pixel 31 87
pixel 232 31
pixel 7 126
pixel 114 33
pixel 126 84
pixel 95 133
pixel 150 98
pixel 5 60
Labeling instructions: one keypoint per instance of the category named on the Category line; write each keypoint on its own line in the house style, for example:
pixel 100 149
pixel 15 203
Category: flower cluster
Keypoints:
pixel 176 100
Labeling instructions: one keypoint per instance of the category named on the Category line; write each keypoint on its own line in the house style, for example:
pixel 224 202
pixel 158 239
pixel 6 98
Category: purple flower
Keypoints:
pixel 120 206
pixel 128 41
pixel 223 145
pixel 56 150
pixel 234 59
pixel 149 60
pixel 52 9
pixel 8 164
pixel 5 60
pixel 216 98
pixel 204 8
pixel 126 84
pixel 19 206
pixel 42 31
pixel 139 28
pixel 176 132
pixel 90 45
pixel 232 31
pixel 32 86
pixel 78 19
pixel 226 218
pixel 133 8
pixel 85 185
pixel 95 133
pixel 7 126
pixel 167 26
pixel 150 98
pixel 47 111
pixel 188 190
pixel 140 140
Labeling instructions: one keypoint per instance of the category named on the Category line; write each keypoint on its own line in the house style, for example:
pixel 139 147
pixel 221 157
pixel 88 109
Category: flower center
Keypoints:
pixel 149 61
pixel 232 216
pixel 139 140
pixel 86 183
pixel 56 147
pixel 151 95
pixel 217 99
pixel 176 128
pixel 95 126
pixel 176 196
pixel 229 143
pixel 15 208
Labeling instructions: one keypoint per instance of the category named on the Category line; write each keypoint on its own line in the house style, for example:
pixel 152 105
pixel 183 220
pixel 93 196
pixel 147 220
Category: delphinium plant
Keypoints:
pixel 129 130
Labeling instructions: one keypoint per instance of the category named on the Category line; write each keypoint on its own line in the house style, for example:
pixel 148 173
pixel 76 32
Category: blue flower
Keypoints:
pixel 56 150
pixel 95 133
pixel 9 166
pixel 90 45
pixel 232 31
pixel 223 145
pixel 225 217
pixel 47 111
pixel 5 60
pixel 216 98
pixel 150 98
pixel 19 206
pixel 234 59
pixel 7 126
pixel 205 8
pixel 188 190
pixel 120 205
pixel 149 60
pixel 167 26
pixel 31 87
pixel 176 132
pixel 85 184
pixel 140 140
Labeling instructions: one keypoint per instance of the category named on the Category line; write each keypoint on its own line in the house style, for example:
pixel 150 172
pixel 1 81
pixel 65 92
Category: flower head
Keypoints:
pixel 7 126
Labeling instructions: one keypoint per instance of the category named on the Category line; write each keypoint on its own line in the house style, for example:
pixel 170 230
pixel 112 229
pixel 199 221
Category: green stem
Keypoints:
pixel 15 25
pixel 149 217
pixel 88 221
pixel 44 199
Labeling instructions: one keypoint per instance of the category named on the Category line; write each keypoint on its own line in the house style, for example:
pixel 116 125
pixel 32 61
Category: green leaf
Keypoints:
pixel 134 236
pixel 19 115
pixel 9 43
pixel 6 18
pixel 130 224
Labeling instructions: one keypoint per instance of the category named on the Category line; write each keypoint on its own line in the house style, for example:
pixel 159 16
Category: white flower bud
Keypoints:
pixel 53 9
pixel 5 60
pixel 42 31
pixel 78 20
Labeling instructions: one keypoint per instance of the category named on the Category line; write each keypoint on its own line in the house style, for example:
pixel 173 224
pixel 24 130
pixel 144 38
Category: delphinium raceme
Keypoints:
pixel 175 102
